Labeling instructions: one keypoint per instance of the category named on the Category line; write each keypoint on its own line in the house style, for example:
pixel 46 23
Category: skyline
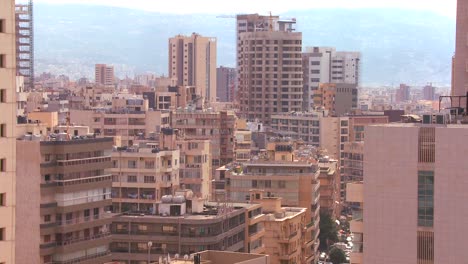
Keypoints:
pixel 445 8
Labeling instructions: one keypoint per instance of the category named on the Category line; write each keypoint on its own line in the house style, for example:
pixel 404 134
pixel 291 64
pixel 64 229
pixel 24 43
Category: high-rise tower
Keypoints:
pixel 7 131
pixel 104 74
pixel 25 43
pixel 460 60
pixel 192 60
pixel 270 70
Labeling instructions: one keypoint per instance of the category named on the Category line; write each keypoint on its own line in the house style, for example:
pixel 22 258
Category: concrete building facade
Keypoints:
pixel 326 65
pixel 413 193
pixel 63 211
pixel 460 60
pixel 7 132
pixel 225 84
pixel 192 60
pixel 104 74
pixel 270 72
pixel 185 225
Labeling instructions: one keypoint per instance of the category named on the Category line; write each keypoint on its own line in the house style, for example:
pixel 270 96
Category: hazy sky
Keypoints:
pixel 444 7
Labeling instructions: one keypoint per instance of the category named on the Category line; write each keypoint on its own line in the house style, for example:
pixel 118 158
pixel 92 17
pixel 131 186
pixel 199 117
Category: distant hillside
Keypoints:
pixel 397 45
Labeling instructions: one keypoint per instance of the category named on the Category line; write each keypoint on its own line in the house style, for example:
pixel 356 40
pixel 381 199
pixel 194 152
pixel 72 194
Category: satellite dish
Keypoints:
pixel 176 256
pixel 186 257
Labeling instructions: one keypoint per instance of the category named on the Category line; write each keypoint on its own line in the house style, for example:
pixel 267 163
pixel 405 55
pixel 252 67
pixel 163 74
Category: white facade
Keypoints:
pixel 326 65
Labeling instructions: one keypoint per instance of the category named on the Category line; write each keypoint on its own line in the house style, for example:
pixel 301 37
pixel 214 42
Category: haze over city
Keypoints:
pixel 251 132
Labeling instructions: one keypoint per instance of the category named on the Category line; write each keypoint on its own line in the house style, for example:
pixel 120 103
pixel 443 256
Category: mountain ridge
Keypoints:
pixel 408 46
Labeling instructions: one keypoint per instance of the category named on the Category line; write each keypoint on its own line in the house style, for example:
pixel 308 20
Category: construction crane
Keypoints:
pixel 226 16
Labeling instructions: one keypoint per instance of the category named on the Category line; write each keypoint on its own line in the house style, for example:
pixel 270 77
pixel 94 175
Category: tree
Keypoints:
pixel 328 231
pixel 337 256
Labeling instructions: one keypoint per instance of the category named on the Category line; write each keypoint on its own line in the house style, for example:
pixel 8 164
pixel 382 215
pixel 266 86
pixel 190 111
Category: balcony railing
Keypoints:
pixel 85 161
pixel 75 240
pixel 80 259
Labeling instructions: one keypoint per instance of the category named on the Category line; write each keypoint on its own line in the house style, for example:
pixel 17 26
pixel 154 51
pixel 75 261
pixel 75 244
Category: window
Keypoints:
pixel 96 211
pixel 86 214
pixel 2 234
pixel 2 95
pixel 2 199
pixel 2 61
pixel 46 218
pixel 2 165
pixel 47 238
pixel 425 198
pixel 132 164
pixel 2 25
pixel 131 178
pixel 149 179
pixel 47 177
pixel 2 130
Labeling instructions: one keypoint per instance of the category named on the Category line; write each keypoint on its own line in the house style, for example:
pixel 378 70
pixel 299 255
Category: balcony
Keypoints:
pixel 93 257
pixel 86 161
pixel 288 239
pixel 75 241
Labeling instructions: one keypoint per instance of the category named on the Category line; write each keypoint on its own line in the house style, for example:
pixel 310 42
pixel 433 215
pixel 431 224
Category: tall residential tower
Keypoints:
pixel 460 60
pixel 192 60
pixel 7 131
pixel 270 71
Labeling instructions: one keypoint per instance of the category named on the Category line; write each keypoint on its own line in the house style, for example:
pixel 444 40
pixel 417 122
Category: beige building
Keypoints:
pixel 192 60
pixel 216 126
pixel 62 211
pixel 104 74
pixel 270 72
pixel 285 172
pixel 459 68
pixel 288 233
pixel 128 121
pixel 7 132
pixel 243 141
pixel 224 257
pixel 337 98
pixel 355 195
pixel 414 193
pixel 184 224
pixel 142 174
pixel 329 187
pixel 195 166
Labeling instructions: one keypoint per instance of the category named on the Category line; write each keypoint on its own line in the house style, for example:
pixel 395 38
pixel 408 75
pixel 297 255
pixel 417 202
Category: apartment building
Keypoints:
pixel 225 84
pixel 195 166
pixel 183 225
pixel 62 212
pixel 270 71
pixel 414 192
pixel 337 98
pixel 459 72
pixel 143 173
pixel 243 141
pixel 326 65
pixel 192 60
pixel 216 126
pixel 104 74
pixel 329 178
pixel 288 233
pixel 222 257
pixel 7 132
pixel 355 196
pixel 352 159
pixel 284 171
pixel 128 120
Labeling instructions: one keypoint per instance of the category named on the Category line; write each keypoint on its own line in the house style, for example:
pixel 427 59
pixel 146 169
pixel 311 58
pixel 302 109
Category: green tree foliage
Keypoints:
pixel 328 231
pixel 337 256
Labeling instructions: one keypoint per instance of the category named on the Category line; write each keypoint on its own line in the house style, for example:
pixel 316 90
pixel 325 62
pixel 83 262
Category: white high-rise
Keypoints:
pixel 326 65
